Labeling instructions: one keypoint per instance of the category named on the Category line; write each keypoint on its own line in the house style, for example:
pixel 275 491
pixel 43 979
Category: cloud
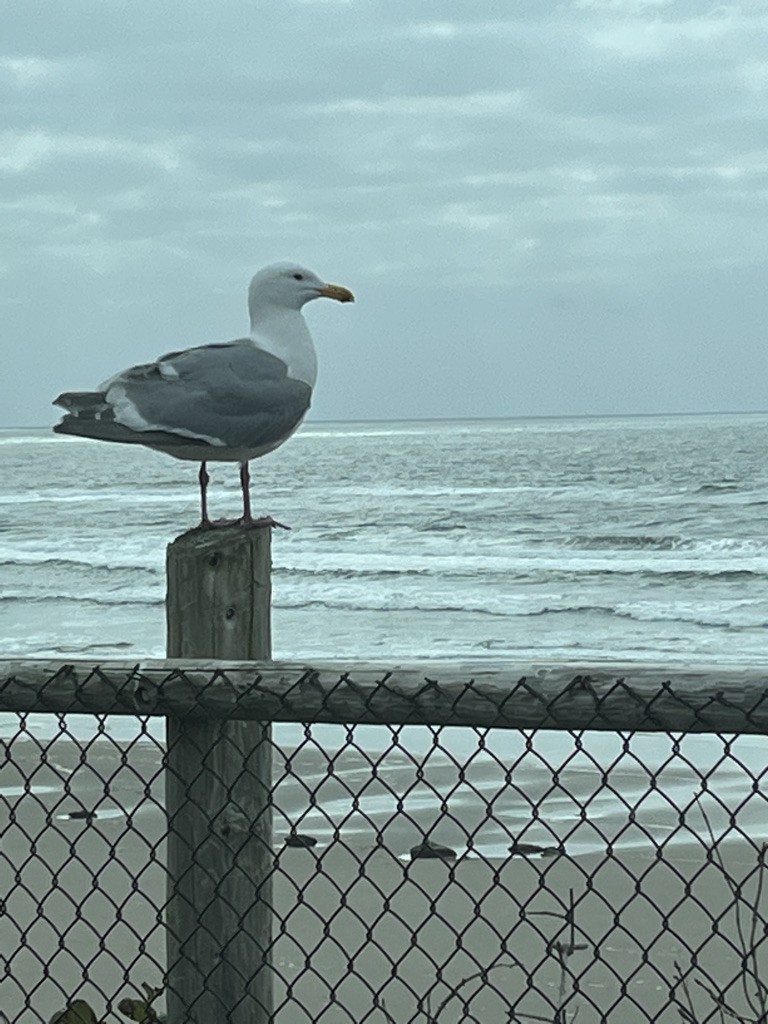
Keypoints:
pixel 634 7
pixel 30 72
pixel 23 151
pixel 640 38
pixel 755 75
pixel 592 155
pixel 473 105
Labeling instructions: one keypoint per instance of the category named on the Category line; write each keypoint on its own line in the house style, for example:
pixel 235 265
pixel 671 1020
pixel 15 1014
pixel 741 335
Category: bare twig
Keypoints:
pixel 465 981
pixel 747 948
pixel 719 1000
pixel 562 950
pixel 686 1012
pixel 760 992
pixel 388 1015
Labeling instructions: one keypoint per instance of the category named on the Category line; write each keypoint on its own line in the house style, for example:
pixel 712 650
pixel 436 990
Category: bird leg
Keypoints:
pixel 204 479
pixel 248 520
pixel 245 483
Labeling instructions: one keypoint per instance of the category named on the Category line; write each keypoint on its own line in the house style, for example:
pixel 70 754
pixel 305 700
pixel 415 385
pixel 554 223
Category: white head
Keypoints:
pixel 287 286
pixel 275 298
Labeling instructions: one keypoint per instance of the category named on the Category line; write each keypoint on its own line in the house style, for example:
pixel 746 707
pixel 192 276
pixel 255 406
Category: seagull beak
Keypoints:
pixel 336 291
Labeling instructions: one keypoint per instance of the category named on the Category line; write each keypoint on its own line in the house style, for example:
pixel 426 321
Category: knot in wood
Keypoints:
pixel 232 823
pixel 144 694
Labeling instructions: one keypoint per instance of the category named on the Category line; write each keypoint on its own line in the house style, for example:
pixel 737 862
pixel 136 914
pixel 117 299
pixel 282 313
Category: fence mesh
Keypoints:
pixel 419 874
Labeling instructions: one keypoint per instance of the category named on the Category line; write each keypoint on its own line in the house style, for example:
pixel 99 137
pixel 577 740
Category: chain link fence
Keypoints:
pixel 418 873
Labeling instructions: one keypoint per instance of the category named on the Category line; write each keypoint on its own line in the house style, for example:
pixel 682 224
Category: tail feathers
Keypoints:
pixel 109 430
pixel 89 414
pixel 101 430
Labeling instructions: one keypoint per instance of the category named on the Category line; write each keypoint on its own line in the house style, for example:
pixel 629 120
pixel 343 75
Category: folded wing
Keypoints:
pixel 223 396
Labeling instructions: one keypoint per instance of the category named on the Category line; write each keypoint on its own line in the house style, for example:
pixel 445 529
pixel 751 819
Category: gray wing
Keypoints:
pixel 230 395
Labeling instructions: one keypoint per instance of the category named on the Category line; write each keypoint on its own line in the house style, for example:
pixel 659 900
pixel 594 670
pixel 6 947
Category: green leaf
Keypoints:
pixel 77 1012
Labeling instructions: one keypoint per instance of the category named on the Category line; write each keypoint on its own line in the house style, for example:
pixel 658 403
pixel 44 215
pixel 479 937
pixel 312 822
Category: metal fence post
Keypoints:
pixel 218 786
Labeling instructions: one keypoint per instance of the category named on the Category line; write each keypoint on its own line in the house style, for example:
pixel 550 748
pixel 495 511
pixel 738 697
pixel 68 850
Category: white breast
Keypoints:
pixel 284 333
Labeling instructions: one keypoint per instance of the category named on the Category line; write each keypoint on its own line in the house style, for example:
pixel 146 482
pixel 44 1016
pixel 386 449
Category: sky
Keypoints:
pixel 543 208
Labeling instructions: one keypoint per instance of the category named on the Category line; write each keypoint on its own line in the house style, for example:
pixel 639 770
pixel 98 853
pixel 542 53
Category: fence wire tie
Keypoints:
pixel 469 687
pixel 476 690
pixel 535 695
pixel 245 685
pixel 501 710
pixel 81 687
pixel 579 684
pixel 645 706
pixel 346 682
pixel 718 701
pixel 236 689
pixel 760 701
pixel 65 672
pixel 667 691
pixel 178 675
pixel 309 684
pixel 425 696
pixel 219 675
pixel 381 684
pixel 308 680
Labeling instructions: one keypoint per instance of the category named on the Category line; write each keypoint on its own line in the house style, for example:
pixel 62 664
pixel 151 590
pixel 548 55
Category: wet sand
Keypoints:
pixel 356 919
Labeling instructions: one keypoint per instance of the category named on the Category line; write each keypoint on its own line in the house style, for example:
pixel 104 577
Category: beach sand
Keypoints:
pixel 356 920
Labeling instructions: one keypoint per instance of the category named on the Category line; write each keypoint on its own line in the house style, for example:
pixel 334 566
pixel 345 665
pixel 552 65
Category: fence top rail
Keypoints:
pixel 632 697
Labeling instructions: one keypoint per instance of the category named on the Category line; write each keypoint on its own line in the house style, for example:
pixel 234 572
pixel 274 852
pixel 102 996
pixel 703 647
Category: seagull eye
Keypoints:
pixel 298 277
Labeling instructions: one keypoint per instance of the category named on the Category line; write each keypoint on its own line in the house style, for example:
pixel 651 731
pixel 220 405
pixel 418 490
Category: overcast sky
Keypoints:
pixel 544 208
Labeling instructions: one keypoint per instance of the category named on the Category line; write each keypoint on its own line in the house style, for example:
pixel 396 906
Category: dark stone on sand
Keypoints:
pixel 301 841
pixel 432 851
pixel 82 815
pixel 533 850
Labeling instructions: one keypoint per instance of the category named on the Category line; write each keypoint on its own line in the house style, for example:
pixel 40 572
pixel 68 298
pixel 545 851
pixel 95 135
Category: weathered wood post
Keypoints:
pixel 218 789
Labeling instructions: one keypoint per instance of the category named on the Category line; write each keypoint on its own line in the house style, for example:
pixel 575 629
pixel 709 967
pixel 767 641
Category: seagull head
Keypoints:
pixel 289 286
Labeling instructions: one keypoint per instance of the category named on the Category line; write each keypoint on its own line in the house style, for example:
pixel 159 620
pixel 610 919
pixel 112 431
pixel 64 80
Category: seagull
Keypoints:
pixel 229 401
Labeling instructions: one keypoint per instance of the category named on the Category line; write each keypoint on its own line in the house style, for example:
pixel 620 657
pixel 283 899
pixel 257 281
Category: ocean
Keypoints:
pixel 634 538
pixel 619 539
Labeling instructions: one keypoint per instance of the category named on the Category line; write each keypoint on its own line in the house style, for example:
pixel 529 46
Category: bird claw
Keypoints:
pixel 216 524
pixel 247 522
pixel 261 522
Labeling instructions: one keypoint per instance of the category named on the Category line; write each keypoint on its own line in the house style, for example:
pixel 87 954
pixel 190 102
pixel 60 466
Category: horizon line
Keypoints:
pixel 487 419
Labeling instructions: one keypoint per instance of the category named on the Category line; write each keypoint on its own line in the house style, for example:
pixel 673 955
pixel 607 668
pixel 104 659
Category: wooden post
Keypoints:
pixel 218 790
